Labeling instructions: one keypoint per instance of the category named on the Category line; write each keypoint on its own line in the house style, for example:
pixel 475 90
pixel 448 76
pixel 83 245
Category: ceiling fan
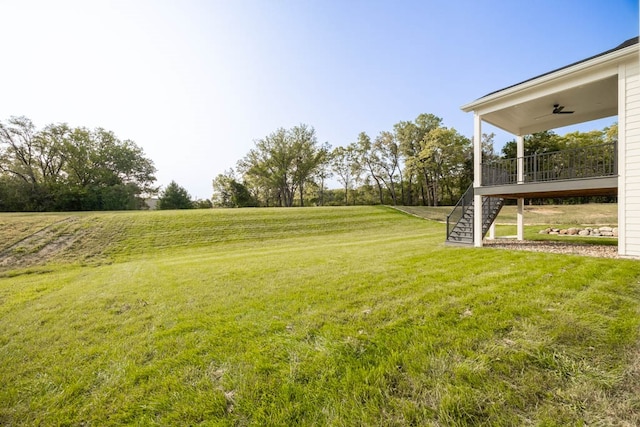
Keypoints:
pixel 559 109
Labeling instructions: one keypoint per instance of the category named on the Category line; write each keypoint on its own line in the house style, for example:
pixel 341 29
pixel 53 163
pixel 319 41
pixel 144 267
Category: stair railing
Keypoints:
pixel 491 207
pixel 459 210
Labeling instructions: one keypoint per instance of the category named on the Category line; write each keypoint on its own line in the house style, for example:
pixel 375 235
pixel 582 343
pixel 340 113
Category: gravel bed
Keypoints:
pixel 601 251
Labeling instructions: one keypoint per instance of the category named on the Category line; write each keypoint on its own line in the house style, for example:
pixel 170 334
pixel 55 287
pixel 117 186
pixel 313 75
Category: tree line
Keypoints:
pixel 60 168
pixel 418 162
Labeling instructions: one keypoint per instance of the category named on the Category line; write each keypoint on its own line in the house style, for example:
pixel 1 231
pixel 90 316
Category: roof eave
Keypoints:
pixel 614 56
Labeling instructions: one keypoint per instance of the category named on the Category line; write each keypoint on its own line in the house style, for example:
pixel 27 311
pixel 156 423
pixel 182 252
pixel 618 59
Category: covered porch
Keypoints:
pixel 591 89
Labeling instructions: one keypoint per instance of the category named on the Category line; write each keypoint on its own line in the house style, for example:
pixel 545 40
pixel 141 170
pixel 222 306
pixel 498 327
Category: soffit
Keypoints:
pixel 589 88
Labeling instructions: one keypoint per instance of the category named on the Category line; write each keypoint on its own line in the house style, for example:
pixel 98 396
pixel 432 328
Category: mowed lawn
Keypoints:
pixel 315 316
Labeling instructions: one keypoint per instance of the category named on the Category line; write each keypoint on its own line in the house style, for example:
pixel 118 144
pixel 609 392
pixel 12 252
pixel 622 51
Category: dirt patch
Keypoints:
pixel 40 247
pixel 541 211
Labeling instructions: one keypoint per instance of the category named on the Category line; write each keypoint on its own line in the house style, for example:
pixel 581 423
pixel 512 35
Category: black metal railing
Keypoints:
pixel 460 223
pixel 500 172
pixel 459 209
pixel 586 162
pixel 491 207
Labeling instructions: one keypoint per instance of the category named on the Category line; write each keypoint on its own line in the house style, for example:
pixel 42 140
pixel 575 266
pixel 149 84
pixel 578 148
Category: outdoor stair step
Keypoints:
pixel 462 231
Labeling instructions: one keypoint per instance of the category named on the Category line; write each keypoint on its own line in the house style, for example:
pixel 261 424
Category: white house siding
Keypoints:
pixel 630 245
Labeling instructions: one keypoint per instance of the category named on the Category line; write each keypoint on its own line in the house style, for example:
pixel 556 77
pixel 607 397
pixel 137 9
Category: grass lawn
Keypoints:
pixel 536 215
pixel 316 316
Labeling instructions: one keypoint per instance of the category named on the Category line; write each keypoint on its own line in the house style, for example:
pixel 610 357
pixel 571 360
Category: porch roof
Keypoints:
pixel 588 87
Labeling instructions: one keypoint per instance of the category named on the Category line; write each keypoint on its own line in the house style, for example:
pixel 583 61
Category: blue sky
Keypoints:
pixel 194 83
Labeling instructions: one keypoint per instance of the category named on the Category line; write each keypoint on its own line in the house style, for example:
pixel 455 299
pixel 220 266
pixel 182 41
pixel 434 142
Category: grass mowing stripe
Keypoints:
pixel 374 323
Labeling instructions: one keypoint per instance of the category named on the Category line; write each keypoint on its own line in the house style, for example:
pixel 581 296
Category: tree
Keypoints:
pixel 488 149
pixel 283 162
pixel 309 156
pixel 113 167
pixel 611 133
pixel 60 168
pixel 202 204
pixel 368 157
pixel 174 197
pixel 31 158
pixel 229 193
pixel 346 167
pixel 410 136
pixel 323 172
pixel 536 143
pixel 443 155
pixel 387 152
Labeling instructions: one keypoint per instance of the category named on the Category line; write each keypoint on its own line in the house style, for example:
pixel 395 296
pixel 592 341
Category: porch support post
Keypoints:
pixel 520 219
pixel 477 180
pixel 520 156
pixel 492 231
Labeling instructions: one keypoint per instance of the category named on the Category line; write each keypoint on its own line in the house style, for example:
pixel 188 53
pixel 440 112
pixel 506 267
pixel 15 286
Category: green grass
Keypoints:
pixel 536 215
pixel 336 316
pixel 569 215
pixel 539 217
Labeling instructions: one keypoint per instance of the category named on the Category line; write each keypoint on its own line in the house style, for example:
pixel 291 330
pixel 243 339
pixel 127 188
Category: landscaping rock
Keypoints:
pixel 604 231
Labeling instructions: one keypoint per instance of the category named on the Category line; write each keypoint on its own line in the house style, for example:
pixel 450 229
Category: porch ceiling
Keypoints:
pixel 589 101
pixel 588 87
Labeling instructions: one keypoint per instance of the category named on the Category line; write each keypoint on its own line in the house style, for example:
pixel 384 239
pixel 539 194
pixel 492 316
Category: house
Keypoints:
pixel 604 85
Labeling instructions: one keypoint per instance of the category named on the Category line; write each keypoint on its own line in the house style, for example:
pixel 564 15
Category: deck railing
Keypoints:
pixel 586 162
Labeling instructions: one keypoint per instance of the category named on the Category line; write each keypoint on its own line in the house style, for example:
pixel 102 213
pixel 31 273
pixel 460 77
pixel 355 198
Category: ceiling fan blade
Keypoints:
pixel 559 109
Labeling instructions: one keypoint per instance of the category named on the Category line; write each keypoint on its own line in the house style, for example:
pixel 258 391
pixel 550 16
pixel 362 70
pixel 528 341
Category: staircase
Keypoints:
pixel 460 220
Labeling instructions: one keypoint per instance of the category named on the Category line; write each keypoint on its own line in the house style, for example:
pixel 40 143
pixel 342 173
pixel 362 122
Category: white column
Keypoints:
pixel 520 155
pixel 520 219
pixel 477 150
pixel 520 215
pixel 492 231
pixel 477 180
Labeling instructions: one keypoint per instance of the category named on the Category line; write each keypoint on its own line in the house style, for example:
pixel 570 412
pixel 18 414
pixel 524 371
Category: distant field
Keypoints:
pixel 590 214
pixel 317 316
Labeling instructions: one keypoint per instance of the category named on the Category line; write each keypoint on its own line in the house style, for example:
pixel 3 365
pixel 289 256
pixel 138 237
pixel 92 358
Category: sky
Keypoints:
pixel 195 83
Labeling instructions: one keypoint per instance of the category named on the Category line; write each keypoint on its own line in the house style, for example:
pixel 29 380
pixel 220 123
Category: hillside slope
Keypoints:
pixel 93 238
pixel 336 316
